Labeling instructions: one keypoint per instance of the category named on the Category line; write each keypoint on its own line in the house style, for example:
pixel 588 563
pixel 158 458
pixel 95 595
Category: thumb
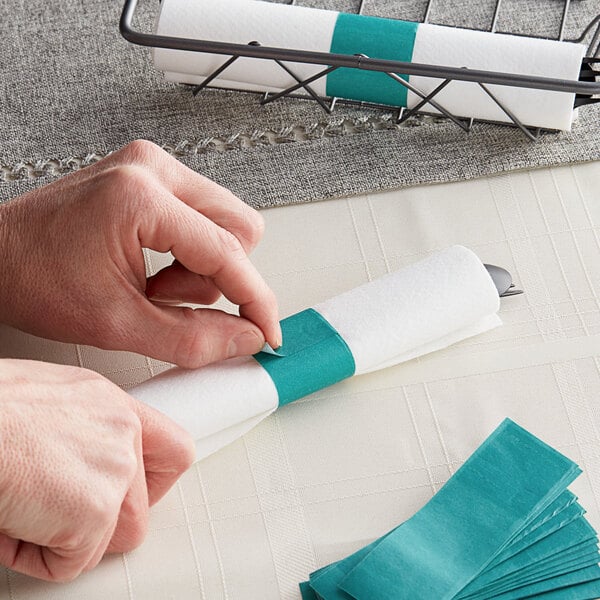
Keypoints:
pixel 168 451
pixel 192 338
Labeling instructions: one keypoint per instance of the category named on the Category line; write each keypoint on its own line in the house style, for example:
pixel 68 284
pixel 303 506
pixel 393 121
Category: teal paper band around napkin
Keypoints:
pixel 377 38
pixel 505 493
pixel 314 356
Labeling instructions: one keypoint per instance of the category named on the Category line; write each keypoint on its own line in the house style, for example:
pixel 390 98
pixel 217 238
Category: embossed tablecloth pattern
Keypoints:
pixel 327 474
pixel 71 90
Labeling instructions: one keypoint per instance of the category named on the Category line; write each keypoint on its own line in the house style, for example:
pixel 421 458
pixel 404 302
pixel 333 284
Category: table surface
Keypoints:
pixel 327 474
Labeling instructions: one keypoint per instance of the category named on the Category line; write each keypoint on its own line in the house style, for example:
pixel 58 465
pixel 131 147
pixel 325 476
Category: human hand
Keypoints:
pixel 81 463
pixel 72 266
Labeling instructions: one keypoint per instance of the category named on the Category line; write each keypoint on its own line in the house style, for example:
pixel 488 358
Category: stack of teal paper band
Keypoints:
pixel 505 526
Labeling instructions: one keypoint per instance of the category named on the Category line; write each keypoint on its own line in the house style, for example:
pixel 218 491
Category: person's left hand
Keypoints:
pixel 81 464
pixel 72 267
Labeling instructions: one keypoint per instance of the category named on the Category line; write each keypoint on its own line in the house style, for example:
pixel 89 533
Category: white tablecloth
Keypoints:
pixel 327 474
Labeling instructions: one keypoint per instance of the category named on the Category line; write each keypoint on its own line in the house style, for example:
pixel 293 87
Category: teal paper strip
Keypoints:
pixel 562 564
pixel 536 556
pixel 561 504
pixel 313 356
pixel 307 592
pixel 451 540
pixel 584 591
pixel 377 38
pixel 325 581
pixel 549 538
pixel 555 583
pixel 563 518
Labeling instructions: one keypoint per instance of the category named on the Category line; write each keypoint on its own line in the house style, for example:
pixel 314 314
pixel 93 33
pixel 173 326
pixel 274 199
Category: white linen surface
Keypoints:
pixel 284 26
pixel 325 475
pixel 426 306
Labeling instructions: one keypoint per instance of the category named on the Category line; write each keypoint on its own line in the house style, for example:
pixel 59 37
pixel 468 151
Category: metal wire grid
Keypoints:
pixel 584 89
pixel 593 46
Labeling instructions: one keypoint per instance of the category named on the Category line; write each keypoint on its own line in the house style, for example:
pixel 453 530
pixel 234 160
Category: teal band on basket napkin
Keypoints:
pixel 313 356
pixel 377 38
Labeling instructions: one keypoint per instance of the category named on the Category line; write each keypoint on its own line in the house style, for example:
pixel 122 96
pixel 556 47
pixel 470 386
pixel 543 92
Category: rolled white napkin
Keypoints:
pixel 289 26
pixel 421 308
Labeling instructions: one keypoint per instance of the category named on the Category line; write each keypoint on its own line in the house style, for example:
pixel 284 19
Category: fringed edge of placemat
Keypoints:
pixel 54 167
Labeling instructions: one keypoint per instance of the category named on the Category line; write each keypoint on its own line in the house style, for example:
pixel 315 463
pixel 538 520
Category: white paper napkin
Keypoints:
pixel 289 26
pixel 421 308
pixel 241 22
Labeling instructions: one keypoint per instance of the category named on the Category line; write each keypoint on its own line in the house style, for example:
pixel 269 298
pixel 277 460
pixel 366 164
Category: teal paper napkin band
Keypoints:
pixel 538 555
pixel 586 575
pixel 505 492
pixel 377 38
pixel 590 590
pixel 326 580
pixel 550 549
pixel 313 356
pixel 562 529
pixel 562 503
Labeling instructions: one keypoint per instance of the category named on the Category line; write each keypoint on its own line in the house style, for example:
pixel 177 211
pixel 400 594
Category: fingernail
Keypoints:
pixel 248 342
pixel 279 339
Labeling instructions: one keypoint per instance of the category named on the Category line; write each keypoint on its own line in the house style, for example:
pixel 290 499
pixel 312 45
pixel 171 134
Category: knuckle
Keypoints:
pixel 103 509
pixel 230 245
pixel 182 452
pixel 127 176
pixel 186 454
pixel 136 532
pixel 248 223
pixel 140 151
pixel 128 197
pixel 126 186
pixel 92 387
pixel 128 422
pixel 105 389
pixel 256 225
pixel 191 348
pixel 132 525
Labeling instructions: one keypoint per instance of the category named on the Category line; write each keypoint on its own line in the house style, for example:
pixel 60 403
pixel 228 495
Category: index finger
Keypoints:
pixel 49 564
pixel 207 249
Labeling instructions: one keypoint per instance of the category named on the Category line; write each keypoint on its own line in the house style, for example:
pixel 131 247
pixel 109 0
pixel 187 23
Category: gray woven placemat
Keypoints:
pixel 73 90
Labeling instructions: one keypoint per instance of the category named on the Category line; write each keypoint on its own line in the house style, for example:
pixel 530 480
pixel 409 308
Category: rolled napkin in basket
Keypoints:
pixel 301 28
pixel 424 307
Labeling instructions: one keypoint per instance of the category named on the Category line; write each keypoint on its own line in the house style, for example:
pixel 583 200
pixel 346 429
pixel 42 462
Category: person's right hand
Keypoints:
pixel 72 266
pixel 81 461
